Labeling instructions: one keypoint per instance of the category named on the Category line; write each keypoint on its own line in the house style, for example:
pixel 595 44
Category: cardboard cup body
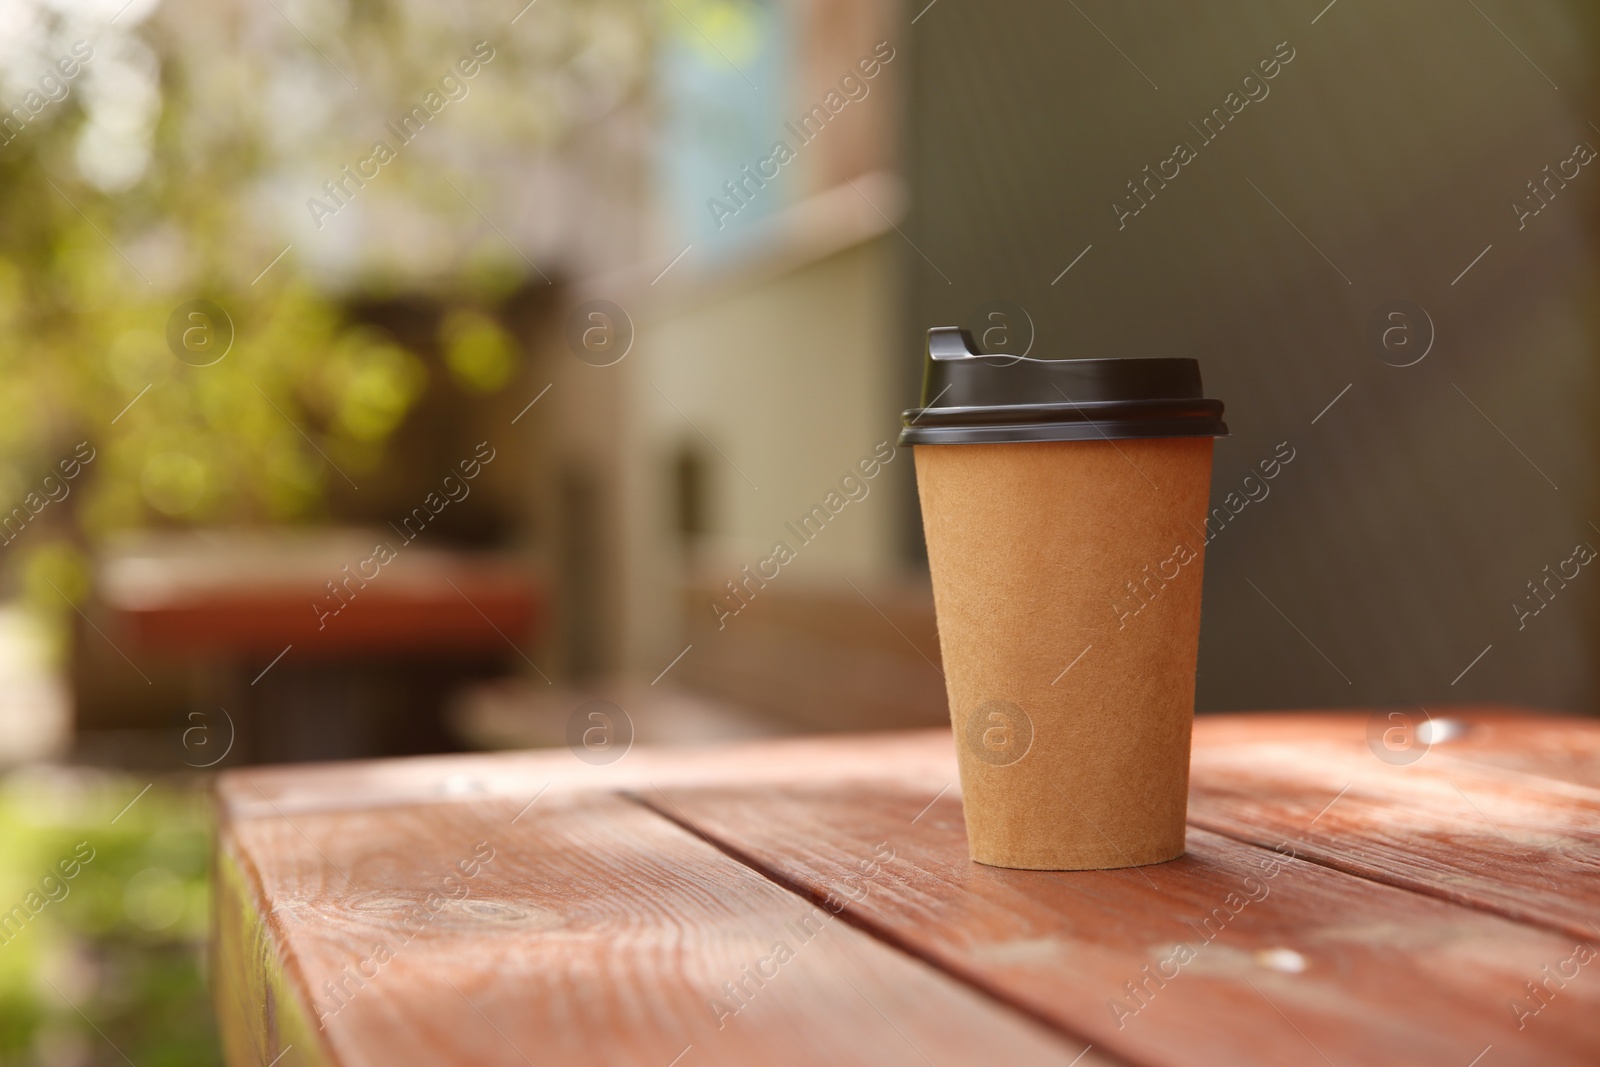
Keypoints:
pixel 1066 580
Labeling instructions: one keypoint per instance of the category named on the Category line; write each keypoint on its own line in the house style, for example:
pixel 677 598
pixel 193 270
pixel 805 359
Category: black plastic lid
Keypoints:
pixel 971 398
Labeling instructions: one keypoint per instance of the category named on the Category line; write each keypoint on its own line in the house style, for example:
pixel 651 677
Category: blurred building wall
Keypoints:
pixel 777 387
pixel 1374 167
pixel 760 371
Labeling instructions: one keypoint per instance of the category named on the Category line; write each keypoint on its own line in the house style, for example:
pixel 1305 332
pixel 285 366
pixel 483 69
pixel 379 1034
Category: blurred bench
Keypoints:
pixel 314 650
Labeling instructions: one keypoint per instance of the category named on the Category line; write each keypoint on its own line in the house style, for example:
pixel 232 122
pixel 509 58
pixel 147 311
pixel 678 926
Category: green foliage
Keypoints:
pixel 170 172
pixel 175 168
pixel 122 939
pixel 480 355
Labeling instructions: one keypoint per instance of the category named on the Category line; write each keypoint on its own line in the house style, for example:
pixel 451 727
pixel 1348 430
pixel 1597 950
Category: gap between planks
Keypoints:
pixel 1233 832
pixel 1342 853
pixel 878 933
pixel 978 982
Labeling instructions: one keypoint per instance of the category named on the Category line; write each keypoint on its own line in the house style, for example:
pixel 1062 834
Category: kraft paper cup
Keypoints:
pixel 1066 544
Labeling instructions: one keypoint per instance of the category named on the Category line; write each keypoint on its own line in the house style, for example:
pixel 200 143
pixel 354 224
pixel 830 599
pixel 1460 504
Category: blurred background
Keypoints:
pixel 383 377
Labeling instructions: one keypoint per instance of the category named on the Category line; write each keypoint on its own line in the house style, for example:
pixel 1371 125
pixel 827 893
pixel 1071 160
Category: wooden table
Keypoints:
pixel 810 901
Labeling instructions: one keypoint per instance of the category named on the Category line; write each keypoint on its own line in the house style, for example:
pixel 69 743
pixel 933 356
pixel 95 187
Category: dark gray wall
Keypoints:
pixel 1417 508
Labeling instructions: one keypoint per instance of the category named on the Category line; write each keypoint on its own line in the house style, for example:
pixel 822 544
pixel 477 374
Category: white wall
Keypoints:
pixel 788 372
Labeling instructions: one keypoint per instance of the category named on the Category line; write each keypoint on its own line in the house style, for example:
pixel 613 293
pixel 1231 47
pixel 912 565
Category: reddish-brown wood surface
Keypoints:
pixel 594 932
pixel 1287 961
pixel 617 904
pixel 1469 819
pixel 922 757
pixel 1563 747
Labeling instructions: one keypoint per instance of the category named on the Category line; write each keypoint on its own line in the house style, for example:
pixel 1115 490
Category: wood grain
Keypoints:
pixel 260 1014
pixel 925 757
pixel 598 933
pixel 1320 966
pixel 1510 841
pixel 1563 747
pixel 600 930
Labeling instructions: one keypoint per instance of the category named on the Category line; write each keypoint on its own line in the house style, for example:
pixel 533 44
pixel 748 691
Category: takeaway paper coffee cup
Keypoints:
pixel 1064 506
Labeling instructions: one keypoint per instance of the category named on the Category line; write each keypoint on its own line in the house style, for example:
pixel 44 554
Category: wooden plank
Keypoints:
pixel 260 1016
pixel 1303 966
pixel 923 757
pixel 1522 845
pixel 1563 747
pixel 1566 750
pixel 585 929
